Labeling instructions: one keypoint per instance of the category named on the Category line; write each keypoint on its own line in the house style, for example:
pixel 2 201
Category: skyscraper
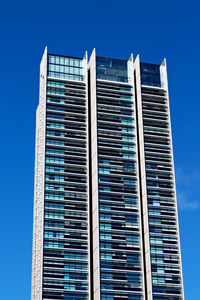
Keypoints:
pixel 105 212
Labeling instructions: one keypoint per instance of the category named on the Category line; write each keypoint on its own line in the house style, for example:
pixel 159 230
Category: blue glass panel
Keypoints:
pixel 150 74
pixel 111 69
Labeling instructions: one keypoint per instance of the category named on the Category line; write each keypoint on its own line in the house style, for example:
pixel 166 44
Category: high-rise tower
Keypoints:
pixel 105 213
pixel 61 217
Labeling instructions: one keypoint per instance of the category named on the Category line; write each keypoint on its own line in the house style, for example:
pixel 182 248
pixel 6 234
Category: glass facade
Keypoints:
pixel 163 233
pixel 111 69
pixel 65 67
pixel 119 226
pixel 150 74
pixel 65 258
pixel 105 215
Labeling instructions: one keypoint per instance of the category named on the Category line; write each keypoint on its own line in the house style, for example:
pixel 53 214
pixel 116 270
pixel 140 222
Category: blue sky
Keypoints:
pixel 154 29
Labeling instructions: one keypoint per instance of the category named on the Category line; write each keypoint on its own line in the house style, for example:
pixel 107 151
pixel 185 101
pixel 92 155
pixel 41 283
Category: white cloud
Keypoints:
pixel 185 203
pixel 188 192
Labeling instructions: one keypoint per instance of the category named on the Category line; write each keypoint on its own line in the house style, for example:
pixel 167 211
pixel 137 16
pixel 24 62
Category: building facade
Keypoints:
pixel 105 211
